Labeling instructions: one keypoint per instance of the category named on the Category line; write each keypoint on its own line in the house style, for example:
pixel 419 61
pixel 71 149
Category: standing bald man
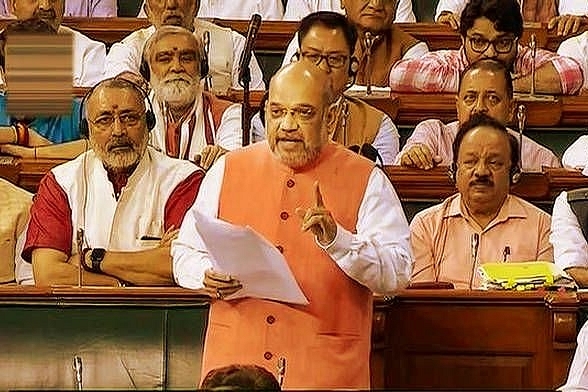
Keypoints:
pixel 338 222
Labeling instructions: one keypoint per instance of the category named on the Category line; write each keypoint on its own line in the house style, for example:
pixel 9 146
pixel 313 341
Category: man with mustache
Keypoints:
pixel 87 55
pixel 485 87
pixel 191 123
pixel 489 29
pixel 373 20
pixel 128 199
pixel 225 45
pixel 340 245
pixel 482 222
pixel 75 8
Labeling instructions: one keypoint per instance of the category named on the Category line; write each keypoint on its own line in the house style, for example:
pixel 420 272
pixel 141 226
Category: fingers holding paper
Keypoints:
pixel 318 219
pixel 220 284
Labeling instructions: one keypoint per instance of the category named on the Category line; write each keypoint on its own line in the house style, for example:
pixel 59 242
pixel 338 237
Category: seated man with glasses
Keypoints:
pixel 327 39
pixel 483 222
pixel 116 208
pixel 380 43
pixel 489 29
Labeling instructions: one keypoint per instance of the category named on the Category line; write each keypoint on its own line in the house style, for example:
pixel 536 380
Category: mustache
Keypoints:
pixel 178 78
pixel 50 14
pixel 123 141
pixel 482 181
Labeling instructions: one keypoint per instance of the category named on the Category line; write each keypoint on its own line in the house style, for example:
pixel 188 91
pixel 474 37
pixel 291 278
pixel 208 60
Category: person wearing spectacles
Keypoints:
pixel 490 29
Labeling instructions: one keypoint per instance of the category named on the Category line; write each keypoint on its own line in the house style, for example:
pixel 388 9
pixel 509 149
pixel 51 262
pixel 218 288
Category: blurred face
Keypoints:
pixel 118 130
pixel 484 41
pixel 172 12
pixel 484 91
pixel 50 11
pixel 175 70
pixel 295 121
pixel 483 165
pixel 372 15
pixel 328 49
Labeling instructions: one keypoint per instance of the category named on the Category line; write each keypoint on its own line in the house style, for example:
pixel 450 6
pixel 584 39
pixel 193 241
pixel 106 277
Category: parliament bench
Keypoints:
pixel 421 339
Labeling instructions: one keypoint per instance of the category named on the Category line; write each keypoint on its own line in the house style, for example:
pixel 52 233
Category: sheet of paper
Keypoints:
pixel 250 258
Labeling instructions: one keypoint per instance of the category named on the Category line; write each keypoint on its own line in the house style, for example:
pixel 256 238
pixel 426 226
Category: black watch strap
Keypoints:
pixel 97 256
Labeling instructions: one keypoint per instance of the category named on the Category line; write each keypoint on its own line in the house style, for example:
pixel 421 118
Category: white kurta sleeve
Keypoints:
pixel 578 375
pixel 573 7
pixel 387 141
pixel 379 255
pixel 256 74
pixel 569 245
pixel 229 134
pixel 416 51
pixel 123 56
pixel 455 6
pixel 91 57
pixel 404 13
pixel 190 257
pixel 297 9
pixel 576 155
pixel 290 50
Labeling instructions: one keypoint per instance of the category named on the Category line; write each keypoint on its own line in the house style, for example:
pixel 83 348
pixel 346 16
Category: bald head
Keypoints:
pixel 297 113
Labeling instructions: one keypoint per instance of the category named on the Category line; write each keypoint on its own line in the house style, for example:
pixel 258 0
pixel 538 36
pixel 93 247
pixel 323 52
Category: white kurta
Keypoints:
pixel 228 135
pixel 230 9
pixel 378 256
pixel 88 59
pixel 298 9
pixel 576 155
pixel 126 56
pixel 569 245
pixel 566 7
pixel 118 225
pixel 577 48
pixel 578 375
pixel 79 8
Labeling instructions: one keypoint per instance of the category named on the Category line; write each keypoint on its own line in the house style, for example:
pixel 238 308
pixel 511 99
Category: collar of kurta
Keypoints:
pixel 510 209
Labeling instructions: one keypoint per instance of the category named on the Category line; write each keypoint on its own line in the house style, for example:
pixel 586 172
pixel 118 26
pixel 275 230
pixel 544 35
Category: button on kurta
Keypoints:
pixel 270 319
pixel 284 215
pixel 290 183
pixel 267 355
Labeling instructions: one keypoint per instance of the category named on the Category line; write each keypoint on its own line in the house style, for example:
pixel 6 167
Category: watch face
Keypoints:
pixel 98 254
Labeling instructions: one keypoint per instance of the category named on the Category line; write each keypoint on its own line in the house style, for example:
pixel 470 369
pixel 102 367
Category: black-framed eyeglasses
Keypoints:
pixel 106 122
pixel 501 45
pixel 333 60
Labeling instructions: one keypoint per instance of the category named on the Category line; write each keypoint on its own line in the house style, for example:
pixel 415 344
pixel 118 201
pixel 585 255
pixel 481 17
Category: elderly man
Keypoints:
pixel 126 198
pixel 350 243
pixel 486 87
pixel 88 55
pixel 565 16
pixel 387 43
pixel 243 9
pixel 298 9
pixel 14 204
pixel 483 222
pixel 489 29
pixel 226 46
pixel 191 123
pixel 327 39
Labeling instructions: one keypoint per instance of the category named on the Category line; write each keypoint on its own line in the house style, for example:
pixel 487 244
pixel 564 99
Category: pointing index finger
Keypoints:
pixel 319 197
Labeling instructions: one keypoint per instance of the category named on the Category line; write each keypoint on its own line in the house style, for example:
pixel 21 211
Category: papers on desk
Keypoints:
pixel 250 258
pixel 524 276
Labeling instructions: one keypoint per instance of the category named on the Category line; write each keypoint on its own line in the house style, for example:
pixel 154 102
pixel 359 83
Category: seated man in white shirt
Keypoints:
pixel 190 123
pixel 76 8
pixel 374 23
pixel 88 55
pixel 298 9
pixel 577 48
pixel 230 9
pixel 578 374
pixel 485 87
pixel 225 45
pixel 575 156
pixel 565 16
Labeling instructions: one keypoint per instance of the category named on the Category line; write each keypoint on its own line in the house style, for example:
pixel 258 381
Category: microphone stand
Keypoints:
pixel 206 44
pixel 522 120
pixel 246 112
pixel 369 42
pixel 533 96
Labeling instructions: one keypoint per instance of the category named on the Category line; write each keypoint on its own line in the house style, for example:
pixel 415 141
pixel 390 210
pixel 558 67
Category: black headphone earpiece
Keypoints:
pixel 83 126
pixel 353 66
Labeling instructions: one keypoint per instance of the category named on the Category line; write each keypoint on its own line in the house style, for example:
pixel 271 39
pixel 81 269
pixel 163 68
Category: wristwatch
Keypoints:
pixel 97 256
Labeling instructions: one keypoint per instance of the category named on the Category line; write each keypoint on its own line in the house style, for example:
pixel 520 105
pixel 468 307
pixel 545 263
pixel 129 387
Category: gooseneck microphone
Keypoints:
pixel 475 245
pixel 254 25
pixel 78 369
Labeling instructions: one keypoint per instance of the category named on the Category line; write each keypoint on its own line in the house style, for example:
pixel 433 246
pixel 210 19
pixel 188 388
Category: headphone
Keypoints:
pixel 514 173
pixel 149 114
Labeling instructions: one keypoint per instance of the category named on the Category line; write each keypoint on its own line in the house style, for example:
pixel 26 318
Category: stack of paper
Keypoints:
pixel 529 275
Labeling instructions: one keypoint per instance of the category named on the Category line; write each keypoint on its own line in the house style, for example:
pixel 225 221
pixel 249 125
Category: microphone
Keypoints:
pixel 77 367
pixel 533 46
pixel 475 244
pixel 206 44
pixel 522 121
pixel 369 42
pixel 80 241
pixel 244 74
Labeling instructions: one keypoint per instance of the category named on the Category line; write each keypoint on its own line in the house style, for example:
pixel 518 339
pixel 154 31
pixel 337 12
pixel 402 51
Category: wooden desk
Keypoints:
pixel 152 338
pixel 454 340
pixel 274 36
